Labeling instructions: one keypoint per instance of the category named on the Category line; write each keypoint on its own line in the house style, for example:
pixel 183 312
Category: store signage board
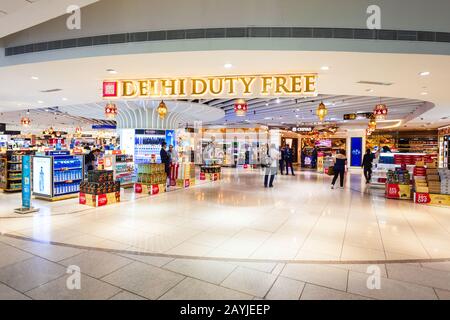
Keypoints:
pixel 26 182
pixel 357 116
pixel 292 85
pixel 104 127
pixel 302 129
pixel 356 151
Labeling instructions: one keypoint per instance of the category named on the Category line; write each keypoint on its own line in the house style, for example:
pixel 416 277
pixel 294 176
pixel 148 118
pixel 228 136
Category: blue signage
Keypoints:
pixel 26 182
pixel 104 127
pixel 356 151
pixel 170 137
pixel 59 153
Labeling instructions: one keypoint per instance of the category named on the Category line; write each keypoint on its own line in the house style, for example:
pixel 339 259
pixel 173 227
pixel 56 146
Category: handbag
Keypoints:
pixel 266 161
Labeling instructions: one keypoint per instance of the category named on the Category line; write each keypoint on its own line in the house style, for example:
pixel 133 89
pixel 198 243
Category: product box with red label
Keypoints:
pixel 432 199
pixel 398 191
pixel 99 200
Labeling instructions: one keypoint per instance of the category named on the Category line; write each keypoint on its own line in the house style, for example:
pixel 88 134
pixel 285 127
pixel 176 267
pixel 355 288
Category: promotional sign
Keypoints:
pixel 26 182
pixel 356 151
pixel 103 127
pixel 42 176
pixel 433 199
pixel 302 84
pixel 302 129
pixel 170 137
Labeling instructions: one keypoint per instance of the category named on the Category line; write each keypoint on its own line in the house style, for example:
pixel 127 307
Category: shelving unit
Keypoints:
pixel 123 167
pixel 57 177
pixel 11 170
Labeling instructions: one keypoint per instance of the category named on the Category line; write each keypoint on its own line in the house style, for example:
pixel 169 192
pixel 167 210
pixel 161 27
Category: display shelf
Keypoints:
pixel 57 177
pixel 11 170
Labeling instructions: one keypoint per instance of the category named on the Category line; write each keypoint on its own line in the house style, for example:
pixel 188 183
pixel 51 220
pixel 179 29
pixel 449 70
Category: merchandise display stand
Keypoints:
pixel 210 173
pixel 151 179
pixel 182 175
pixel 398 184
pixel 100 189
pixel 11 171
pixel 123 168
pixel 433 186
pixel 57 176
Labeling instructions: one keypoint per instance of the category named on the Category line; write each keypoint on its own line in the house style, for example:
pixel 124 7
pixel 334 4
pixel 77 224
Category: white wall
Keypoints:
pixel 117 16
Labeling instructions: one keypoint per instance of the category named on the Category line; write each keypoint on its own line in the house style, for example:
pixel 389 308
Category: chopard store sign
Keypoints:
pixel 293 85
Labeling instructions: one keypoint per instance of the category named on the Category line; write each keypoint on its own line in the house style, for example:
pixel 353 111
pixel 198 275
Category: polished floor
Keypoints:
pixel 300 220
pixel 231 239
pixel 30 270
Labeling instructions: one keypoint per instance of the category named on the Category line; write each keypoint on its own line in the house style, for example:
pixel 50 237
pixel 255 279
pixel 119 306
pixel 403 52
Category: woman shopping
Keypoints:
pixel 339 168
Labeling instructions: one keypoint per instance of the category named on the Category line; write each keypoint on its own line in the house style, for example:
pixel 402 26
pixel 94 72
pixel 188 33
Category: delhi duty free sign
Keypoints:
pixel 293 85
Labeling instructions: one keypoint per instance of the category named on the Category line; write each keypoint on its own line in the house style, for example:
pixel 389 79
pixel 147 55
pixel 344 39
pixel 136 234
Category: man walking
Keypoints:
pixel 367 165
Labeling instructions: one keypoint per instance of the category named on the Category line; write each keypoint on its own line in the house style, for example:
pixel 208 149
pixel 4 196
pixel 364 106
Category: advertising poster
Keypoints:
pixel 356 154
pixel 170 138
pixel 42 176
pixel 26 182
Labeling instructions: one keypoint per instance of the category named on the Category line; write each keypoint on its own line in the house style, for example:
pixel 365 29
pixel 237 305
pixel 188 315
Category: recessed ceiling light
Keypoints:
pixel 34 78
pixel 64 99
pixel 40 102
pixel 424 93
pixel 111 71
pixel 369 90
pixel 268 118
pixel 424 73
pixel 278 100
pixel 325 68
pixel 228 66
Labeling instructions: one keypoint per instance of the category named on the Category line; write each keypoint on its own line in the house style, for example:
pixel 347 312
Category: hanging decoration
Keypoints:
pixel 162 110
pixel 111 111
pixel 78 130
pixel 241 108
pixel 369 131
pixel 322 111
pixel 373 123
pixel 380 112
pixel 25 121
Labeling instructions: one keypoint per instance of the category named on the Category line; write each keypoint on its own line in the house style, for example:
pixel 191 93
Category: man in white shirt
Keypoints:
pixel 272 170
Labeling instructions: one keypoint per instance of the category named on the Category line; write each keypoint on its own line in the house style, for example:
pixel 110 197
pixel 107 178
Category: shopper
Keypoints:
pixel 165 159
pixel 289 159
pixel 339 168
pixel 272 170
pixel 367 165
pixel 314 158
pixel 91 158
pixel 281 159
pixel 173 154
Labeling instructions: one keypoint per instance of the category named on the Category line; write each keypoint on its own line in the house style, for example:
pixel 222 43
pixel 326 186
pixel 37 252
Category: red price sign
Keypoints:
pixel 102 200
pixel 422 198
pixel 82 198
pixel 138 188
pixel 393 191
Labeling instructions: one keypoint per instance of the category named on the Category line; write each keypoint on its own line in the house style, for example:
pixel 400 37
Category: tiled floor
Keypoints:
pixel 300 219
pixel 230 240
pixel 110 275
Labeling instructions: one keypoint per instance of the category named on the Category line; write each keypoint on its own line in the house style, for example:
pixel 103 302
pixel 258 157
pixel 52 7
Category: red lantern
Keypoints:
pixel 380 112
pixel 241 108
pixel 111 110
pixel 78 130
pixel 25 121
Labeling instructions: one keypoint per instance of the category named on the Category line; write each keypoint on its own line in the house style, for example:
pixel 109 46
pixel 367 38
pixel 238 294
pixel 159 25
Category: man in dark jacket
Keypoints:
pixel 165 158
pixel 289 159
pixel 367 165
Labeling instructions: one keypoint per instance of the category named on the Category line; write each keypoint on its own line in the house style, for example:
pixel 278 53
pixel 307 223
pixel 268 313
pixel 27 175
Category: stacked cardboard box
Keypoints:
pixel 420 178
pixel 434 183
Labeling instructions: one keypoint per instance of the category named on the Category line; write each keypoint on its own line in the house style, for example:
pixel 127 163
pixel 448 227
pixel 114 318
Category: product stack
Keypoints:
pixel 420 178
pixel 182 175
pixel 434 183
pixel 212 173
pixel 100 189
pixel 151 178
pixel 398 184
